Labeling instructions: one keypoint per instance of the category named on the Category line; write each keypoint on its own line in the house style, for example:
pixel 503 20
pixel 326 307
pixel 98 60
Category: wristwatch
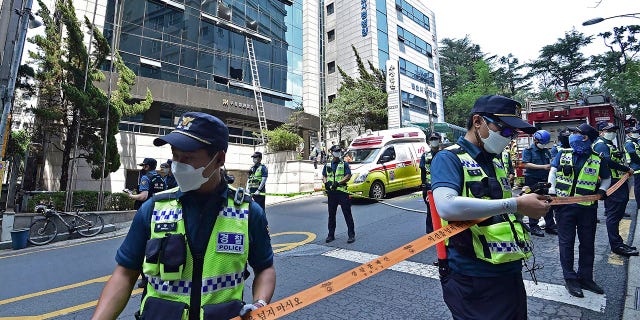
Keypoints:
pixel 261 302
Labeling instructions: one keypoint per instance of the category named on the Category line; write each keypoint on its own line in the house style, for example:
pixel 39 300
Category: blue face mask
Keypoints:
pixel 578 145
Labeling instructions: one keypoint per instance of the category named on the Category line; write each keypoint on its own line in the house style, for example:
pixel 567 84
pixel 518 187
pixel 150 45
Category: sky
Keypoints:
pixel 524 27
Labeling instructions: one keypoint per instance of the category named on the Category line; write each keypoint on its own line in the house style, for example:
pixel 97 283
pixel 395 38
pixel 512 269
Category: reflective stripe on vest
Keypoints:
pixel 586 182
pixel 256 178
pixel 506 159
pixel 428 157
pixel 336 176
pixel 224 261
pixel 613 150
pixel 495 241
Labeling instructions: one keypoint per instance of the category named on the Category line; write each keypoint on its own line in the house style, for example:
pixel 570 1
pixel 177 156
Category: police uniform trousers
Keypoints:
pixel 495 298
pixel 580 220
pixel 429 222
pixel 548 218
pixel 614 207
pixel 342 199
pixel 260 200
pixel 636 189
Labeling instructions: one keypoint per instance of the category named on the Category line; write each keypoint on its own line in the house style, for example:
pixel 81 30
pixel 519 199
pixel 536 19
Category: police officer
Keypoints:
pixel 469 182
pixel 563 142
pixel 632 148
pixel 508 165
pixel 575 172
pixel 616 204
pixel 425 174
pixel 169 179
pixel 150 182
pixel 257 179
pixel 335 176
pixel 193 244
pixel 536 160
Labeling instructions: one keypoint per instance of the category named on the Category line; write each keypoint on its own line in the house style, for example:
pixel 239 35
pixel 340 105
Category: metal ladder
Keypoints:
pixel 262 119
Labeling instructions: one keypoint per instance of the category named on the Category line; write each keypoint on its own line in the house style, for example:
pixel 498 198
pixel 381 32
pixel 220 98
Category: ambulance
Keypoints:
pixel 385 161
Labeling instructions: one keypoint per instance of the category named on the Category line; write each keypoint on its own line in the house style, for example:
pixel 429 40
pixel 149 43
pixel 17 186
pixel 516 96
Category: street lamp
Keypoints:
pixel 599 19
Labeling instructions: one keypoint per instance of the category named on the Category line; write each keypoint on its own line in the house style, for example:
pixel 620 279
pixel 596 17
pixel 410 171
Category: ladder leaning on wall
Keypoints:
pixel 262 120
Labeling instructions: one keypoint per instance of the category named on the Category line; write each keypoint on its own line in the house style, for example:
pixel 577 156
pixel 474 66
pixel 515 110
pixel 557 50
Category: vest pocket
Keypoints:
pixel 173 257
pixel 222 311
pixel 151 256
pixel 156 308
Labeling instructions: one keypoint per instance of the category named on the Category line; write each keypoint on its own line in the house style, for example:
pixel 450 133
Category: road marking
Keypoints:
pixel 292 245
pixel 547 291
pixel 61 247
pixel 54 290
pixel 614 258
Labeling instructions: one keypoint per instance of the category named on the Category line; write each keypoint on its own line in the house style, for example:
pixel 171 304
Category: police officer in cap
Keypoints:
pixel 536 159
pixel 616 204
pixel 169 179
pixel 425 173
pixel 576 172
pixel 563 142
pixel 335 176
pixel 257 179
pixel 469 182
pixel 150 182
pixel 193 244
pixel 632 148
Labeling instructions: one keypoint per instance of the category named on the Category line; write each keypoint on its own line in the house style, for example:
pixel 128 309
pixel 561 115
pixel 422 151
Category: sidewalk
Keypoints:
pixel 631 306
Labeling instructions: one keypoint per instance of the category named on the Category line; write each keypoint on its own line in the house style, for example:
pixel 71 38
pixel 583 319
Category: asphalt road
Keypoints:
pixel 64 281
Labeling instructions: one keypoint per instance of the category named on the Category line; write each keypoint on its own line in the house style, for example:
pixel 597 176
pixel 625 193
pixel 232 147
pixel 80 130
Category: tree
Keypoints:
pixel 69 100
pixel 509 76
pixel 459 104
pixel 457 60
pixel 360 102
pixel 562 63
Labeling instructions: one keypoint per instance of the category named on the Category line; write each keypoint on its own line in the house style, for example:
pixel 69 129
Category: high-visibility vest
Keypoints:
pixel 636 146
pixel 506 159
pixel 336 176
pixel 222 266
pixel 502 238
pixel 585 184
pixel 255 179
pixel 615 156
pixel 428 157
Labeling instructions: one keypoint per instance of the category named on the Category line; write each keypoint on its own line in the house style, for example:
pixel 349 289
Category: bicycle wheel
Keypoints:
pixel 42 231
pixel 89 224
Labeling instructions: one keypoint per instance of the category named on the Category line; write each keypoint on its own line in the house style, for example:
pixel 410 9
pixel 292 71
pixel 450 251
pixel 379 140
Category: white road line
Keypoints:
pixel 547 291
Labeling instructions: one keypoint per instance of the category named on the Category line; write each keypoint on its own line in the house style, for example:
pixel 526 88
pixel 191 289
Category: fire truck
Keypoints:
pixel 557 115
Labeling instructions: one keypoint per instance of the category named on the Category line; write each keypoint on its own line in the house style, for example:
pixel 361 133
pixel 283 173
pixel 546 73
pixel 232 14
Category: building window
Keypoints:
pixel 413 71
pixel 331 67
pixel 331 97
pixel 409 39
pixel 330 9
pixel 413 13
pixel 331 35
pixel 333 134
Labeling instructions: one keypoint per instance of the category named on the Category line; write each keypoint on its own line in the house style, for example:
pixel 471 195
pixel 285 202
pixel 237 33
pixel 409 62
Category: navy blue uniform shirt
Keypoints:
pixel 446 171
pixel 578 161
pixel 334 165
pixel 535 155
pixel 631 149
pixel 145 182
pixel 200 211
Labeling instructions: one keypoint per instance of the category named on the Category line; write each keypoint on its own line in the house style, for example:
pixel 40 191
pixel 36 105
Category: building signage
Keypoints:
pixel 226 103
pixel 423 89
pixel 363 16
pixel 393 91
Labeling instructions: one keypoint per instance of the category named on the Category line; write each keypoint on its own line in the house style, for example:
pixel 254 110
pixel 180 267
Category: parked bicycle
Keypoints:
pixel 45 229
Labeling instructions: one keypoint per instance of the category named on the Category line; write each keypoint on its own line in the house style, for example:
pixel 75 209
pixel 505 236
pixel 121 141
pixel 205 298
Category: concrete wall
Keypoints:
pixel 287 175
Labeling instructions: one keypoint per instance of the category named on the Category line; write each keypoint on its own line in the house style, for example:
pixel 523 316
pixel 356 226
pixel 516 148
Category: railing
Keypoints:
pixel 159 130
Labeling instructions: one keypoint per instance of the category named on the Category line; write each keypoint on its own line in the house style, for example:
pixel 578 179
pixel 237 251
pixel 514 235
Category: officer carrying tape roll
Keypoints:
pixel 193 243
pixel 469 182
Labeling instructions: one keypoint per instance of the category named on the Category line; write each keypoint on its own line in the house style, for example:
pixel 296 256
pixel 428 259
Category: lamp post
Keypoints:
pixel 599 19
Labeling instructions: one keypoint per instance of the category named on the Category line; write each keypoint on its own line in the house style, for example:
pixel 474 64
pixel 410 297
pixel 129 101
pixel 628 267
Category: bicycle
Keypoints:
pixel 44 230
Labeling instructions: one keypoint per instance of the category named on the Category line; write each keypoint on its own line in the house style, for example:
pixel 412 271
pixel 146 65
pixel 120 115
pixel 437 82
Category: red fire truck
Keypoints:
pixel 557 115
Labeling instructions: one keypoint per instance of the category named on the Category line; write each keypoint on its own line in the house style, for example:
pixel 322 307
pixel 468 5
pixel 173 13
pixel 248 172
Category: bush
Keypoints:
pixel 113 201
pixel 281 139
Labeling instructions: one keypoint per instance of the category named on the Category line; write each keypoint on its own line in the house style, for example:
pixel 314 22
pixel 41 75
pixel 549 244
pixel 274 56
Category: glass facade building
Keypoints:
pixel 177 41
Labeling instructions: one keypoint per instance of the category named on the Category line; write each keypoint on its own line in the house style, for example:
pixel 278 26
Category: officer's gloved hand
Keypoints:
pixel 327 185
pixel 602 193
pixel 250 307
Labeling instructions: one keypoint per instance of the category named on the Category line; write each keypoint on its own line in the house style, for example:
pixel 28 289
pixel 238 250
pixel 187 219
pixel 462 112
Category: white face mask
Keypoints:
pixel 495 143
pixel 540 145
pixel 434 143
pixel 609 135
pixel 189 178
pixel 336 154
pixel 635 135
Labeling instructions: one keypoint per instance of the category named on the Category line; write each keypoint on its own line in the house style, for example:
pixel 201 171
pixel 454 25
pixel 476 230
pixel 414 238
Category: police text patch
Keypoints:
pixel 230 242
pixel 165 227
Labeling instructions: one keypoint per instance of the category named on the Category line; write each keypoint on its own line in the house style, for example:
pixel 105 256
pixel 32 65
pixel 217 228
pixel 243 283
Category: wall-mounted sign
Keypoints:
pixel 393 97
pixel 226 103
pixel 363 16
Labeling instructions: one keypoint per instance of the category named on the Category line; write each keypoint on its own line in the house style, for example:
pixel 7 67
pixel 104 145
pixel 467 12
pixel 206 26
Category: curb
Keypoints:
pixel 65 237
pixel 632 304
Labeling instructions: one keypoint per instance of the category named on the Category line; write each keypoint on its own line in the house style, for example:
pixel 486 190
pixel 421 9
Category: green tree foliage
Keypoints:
pixel 459 103
pixel 361 102
pixel 69 100
pixel 510 77
pixel 562 64
pixel 457 60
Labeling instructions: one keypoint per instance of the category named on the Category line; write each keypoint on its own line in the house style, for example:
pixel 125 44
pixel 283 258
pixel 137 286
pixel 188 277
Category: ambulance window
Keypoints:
pixel 402 154
pixel 391 152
